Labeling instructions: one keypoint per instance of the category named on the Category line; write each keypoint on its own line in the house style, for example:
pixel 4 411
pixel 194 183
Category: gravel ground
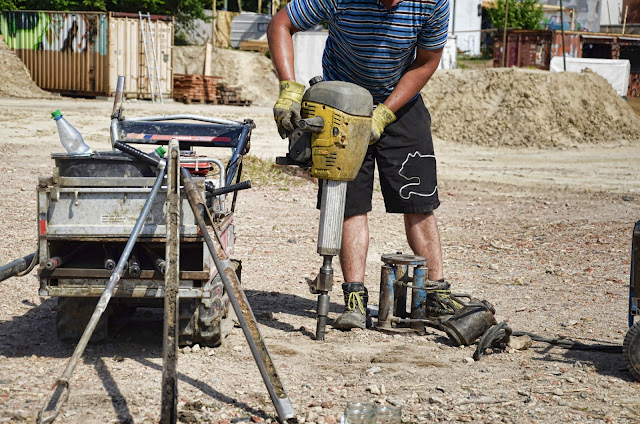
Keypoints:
pixel 544 235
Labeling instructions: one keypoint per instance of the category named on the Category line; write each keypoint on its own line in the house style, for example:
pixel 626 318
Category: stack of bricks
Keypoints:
pixel 188 88
pixel 230 95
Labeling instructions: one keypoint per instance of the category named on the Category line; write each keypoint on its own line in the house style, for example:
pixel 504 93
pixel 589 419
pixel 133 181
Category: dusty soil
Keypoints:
pixel 542 234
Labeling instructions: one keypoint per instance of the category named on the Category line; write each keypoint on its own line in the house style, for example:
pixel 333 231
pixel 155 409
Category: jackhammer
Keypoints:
pixel 331 139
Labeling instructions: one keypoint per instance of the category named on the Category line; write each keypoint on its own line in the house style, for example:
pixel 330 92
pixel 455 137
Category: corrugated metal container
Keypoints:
pixel 126 54
pixel 248 26
pixel 84 52
pixel 524 49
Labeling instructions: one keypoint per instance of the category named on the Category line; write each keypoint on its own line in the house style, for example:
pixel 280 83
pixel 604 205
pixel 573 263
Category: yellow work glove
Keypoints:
pixel 382 116
pixel 286 111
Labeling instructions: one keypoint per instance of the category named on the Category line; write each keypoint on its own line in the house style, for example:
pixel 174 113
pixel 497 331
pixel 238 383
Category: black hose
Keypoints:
pixel 571 344
pixel 495 336
pixel 212 191
pixel 18 266
pixel 499 334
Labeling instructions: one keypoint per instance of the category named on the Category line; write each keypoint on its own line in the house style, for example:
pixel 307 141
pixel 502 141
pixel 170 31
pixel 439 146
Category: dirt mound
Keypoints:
pixel 528 108
pixel 249 70
pixel 16 80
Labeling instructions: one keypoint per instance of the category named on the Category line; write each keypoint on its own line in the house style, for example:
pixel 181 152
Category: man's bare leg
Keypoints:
pixel 353 260
pixel 355 244
pixel 424 240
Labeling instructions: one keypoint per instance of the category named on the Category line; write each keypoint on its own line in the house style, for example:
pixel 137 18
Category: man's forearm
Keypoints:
pixel 414 79
pixel 279 35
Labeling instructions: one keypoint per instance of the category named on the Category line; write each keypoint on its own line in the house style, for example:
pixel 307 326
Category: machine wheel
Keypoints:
pixel 73 315
pixel 631 350
pixel 206 321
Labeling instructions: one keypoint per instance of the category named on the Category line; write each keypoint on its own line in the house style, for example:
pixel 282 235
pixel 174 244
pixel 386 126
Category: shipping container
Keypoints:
pixel 524 49
pixel 83 53
pixel 248 26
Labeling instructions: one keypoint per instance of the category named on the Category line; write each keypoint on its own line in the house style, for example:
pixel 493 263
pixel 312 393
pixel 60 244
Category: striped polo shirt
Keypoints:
pixel 369 45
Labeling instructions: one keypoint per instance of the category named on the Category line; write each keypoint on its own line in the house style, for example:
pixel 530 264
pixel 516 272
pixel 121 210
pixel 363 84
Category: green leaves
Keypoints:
pixel 183 10
pixel 525 14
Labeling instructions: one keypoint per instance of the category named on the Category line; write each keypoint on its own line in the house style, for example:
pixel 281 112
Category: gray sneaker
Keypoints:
pixel 355 300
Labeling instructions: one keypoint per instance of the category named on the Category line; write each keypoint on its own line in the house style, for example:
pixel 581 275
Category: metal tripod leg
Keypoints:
pixel 169 404
pixel 270 376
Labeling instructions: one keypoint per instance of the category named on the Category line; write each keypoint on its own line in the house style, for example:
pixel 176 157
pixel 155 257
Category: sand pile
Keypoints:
pixel 529 108
pixel 250 70
pixel 16 80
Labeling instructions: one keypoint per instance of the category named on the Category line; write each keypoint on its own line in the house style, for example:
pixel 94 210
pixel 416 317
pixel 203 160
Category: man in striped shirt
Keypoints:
pixel 391 48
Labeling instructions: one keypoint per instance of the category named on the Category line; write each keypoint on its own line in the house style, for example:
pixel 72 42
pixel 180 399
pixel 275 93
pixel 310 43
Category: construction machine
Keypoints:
pixel 121 229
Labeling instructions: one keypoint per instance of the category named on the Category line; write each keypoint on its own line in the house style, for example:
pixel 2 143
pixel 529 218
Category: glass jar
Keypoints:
pixel 388 415
pixel 359 413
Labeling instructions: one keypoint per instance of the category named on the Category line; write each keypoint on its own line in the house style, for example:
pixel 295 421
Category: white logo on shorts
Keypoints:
pixel 414 186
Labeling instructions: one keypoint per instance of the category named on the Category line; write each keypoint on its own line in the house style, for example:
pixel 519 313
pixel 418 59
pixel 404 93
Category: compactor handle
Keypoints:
pixel 139 154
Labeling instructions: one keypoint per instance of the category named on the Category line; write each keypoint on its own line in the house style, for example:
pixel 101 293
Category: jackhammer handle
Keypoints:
pixel 138 154
pixel 228 189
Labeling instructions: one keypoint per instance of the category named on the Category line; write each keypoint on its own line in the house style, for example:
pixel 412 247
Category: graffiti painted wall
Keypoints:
pixel 587 15
pixel 64 52
pixel 51 31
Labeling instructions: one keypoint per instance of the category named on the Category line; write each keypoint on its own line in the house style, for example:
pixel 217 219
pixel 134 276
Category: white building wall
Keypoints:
pixel 611 12
pixel 465 22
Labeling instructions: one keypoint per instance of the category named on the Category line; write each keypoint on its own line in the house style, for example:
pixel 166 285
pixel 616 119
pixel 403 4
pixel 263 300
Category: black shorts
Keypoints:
pixel 406 166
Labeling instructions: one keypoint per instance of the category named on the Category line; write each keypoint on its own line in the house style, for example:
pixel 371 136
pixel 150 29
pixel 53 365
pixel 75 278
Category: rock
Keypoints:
pixel 186 349
pixel 468 361
pixel 312 416
pixel 383 390
pixel 520 342
pixel 558 392
pixel 266 315
pixel 373 389
pixel 195 348
pixel 326 405
pixel 330 419
pixel 494 267
pixel 436 400
pixel 373 370
pixel 292 240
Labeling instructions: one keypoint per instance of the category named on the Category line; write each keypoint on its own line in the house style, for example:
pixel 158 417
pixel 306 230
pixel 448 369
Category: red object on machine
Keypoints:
pixel 197 168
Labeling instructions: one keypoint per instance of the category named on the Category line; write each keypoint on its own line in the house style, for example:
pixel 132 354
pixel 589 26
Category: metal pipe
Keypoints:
pixel 15 267
pixel 240 304
pixel 186 116
pixel 419 297
pixel 63 382
pixel 169 400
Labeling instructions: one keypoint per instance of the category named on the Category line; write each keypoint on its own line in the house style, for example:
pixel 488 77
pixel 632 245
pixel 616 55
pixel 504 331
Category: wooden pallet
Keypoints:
pixel 261 46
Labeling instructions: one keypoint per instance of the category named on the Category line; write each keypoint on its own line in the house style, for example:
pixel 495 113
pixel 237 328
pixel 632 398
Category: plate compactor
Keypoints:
pixel 331 139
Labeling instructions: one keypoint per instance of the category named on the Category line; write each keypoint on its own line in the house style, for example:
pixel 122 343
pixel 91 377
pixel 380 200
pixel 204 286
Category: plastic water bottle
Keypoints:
pixel 70 138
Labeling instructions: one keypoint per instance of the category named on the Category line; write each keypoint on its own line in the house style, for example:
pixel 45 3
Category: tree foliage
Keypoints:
pixel 183 10
pixel 525 14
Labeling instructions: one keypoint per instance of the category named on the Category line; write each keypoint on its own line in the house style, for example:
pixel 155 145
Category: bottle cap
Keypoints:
pixel 55 114
pixel 161 151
